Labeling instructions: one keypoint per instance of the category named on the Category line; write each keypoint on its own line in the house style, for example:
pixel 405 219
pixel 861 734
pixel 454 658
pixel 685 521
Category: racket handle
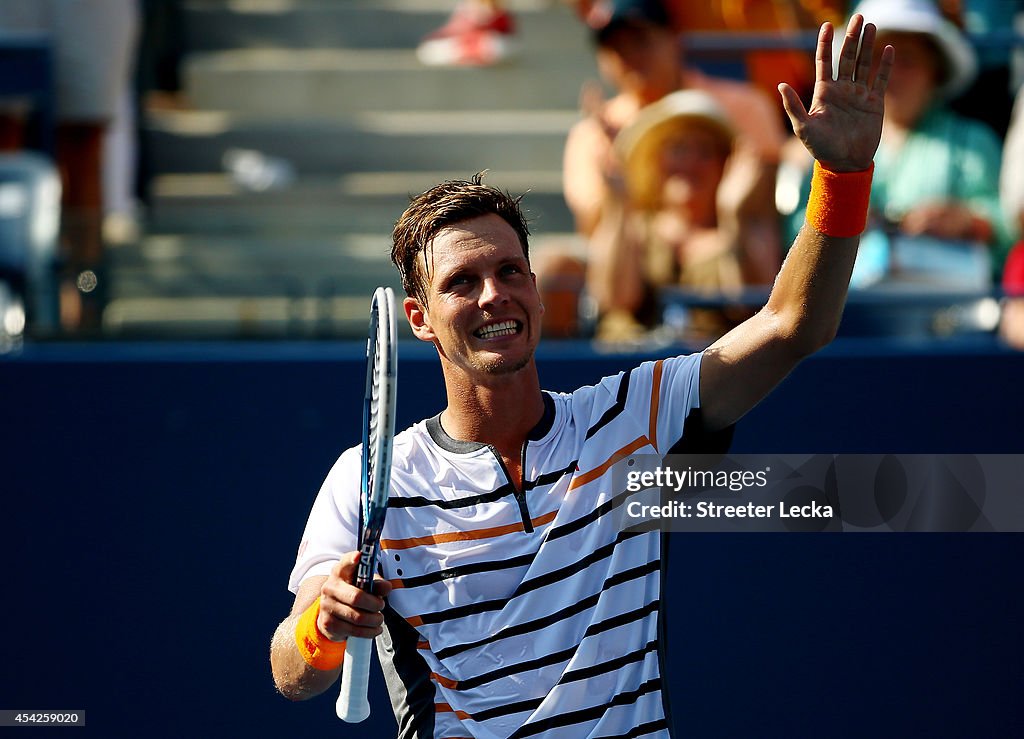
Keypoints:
pixel 353 705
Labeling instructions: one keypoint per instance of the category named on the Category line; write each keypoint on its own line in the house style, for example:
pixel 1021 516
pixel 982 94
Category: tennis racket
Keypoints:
pixel 378 435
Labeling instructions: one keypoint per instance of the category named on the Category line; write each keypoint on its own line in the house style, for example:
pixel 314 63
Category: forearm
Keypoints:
pixel 747 217
pixel 307 649
pixel 294 677
pixel 801 316
pixel 614 277
pixel 810 291
pixel 756 241
pixel 584 180
pixel 841 131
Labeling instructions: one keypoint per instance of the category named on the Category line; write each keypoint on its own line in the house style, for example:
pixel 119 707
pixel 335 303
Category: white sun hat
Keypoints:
pixel 923 17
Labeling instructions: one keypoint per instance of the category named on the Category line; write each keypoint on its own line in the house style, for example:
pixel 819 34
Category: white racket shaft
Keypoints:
pixel 353 705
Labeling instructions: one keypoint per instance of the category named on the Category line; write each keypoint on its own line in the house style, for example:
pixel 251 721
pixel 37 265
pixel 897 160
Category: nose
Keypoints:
pixel 491 292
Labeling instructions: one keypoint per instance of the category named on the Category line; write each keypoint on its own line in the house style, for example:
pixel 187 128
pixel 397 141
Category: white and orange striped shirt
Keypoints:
pixel 519 614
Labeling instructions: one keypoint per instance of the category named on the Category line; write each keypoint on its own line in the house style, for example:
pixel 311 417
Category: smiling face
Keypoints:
pixel 482 308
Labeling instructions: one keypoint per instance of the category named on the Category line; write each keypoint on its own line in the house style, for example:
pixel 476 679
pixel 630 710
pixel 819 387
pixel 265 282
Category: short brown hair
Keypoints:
pixel 442 206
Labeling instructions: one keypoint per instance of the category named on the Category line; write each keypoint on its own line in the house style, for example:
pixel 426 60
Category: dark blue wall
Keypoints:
pixel 151 499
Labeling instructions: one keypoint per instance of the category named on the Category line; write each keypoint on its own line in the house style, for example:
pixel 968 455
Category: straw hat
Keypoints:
pixel 923 17
pixel 638 143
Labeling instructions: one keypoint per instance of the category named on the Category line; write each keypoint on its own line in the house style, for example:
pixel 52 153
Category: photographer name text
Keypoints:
pixel 706 480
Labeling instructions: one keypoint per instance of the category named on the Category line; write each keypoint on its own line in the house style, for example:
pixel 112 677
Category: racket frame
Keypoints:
pixel 378 441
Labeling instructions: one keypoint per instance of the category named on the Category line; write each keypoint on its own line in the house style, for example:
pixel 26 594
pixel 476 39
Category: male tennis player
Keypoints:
pixel 509 605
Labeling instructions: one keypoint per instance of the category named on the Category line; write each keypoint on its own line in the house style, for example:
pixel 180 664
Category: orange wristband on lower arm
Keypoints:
pixel 839 201
pixel 319 652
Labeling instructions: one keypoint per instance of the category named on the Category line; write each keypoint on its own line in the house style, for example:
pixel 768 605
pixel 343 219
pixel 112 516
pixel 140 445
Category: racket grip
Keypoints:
pixel 353 705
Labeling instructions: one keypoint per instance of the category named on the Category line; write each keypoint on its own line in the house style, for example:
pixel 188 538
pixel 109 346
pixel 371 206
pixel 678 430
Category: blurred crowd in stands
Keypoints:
pixel 687 179
pixel 68 116
pixel 683 182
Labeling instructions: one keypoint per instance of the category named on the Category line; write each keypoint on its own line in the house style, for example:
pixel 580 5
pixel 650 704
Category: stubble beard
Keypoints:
pixel 498 366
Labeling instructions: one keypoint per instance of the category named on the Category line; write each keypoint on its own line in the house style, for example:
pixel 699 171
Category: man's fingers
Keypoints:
pixel 345 569
pixel 793 104
pixel 866 56
pixel 337 628
pixel 881 80
pixel 355 613
pixel 823 53
pixel 346 610
pixel 347 594
pixel 381 587
pixel 848 53
pixel 343 616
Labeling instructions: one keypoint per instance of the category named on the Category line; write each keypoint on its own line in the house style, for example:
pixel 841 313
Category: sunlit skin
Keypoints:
pixel 477 277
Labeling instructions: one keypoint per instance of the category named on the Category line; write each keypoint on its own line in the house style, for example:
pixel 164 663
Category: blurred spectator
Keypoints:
pixel 1011 190
pixel 763 68
pixel 161 50
pixel 1011 328
pixel 990 97
pixel 158 78
pixel 93 53
pixel 936 173
pixel 120 165
pixel 479 33
pixel 639 54
pixel 1011 177
pixel 686 219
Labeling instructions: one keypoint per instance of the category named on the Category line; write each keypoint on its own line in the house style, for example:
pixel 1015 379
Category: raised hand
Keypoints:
pixel 844 124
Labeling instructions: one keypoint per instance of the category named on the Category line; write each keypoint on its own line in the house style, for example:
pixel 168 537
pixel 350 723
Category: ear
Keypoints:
pixel 533 275
pixel 418 319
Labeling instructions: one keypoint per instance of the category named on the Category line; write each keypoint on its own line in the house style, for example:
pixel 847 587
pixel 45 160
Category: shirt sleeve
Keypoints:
pixel 333 523
pixel 661 400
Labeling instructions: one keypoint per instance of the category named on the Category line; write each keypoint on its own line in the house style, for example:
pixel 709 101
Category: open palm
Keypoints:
pixel 844 124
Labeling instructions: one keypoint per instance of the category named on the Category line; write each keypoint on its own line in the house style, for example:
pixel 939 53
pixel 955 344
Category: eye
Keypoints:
pixel 511 269
pixel 456 281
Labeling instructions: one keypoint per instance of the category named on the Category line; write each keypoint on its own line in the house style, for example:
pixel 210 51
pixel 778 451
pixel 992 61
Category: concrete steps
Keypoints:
pixel 324 82
pixel 359 202
pixel 353 24
pixel 221 286
pixel 365 141
pixel 332 91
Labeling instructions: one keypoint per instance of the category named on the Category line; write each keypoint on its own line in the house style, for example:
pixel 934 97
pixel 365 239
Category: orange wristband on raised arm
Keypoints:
pixel 839 201
pixel 319 652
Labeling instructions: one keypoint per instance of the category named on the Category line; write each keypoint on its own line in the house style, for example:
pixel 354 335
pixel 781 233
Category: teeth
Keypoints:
pixel 505 328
